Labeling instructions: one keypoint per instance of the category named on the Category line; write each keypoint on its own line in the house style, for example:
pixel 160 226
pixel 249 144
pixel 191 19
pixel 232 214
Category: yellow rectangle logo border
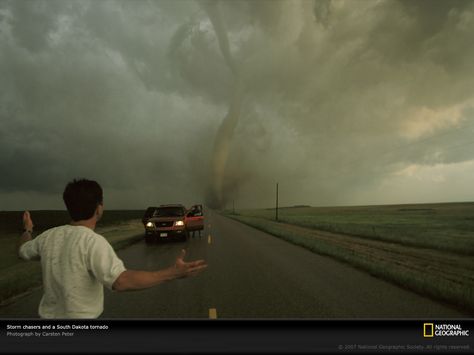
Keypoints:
pixel 426 327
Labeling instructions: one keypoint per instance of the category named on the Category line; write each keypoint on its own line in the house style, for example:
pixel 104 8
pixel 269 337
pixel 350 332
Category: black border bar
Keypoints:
pixel 234 336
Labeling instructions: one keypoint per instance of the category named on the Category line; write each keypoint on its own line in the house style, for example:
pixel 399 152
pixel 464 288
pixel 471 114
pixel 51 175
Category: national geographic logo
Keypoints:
pixel 431 330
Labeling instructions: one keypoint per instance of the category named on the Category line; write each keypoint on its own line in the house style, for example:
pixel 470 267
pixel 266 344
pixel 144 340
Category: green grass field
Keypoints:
pixel 448 226
pixel 18 276
pixel 428 248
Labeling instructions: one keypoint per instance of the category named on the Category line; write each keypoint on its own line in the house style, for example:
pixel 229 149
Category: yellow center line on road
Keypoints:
pixel 212 313
pixel 209 239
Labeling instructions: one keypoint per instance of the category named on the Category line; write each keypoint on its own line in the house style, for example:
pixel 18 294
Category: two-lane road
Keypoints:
pixel 254 275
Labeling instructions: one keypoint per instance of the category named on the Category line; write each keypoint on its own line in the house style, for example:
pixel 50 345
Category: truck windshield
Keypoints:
pixel 168 212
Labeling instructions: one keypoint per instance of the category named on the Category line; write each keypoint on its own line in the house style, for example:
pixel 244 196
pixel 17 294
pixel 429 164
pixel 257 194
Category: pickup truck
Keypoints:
pixel 172 222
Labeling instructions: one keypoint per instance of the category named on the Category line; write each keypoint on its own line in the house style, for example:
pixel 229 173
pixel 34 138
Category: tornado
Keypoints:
pixel 213 11
pixel 220 156
pixel 216 198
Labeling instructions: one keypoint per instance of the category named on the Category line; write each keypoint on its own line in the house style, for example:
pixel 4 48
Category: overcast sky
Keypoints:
pixel 343 102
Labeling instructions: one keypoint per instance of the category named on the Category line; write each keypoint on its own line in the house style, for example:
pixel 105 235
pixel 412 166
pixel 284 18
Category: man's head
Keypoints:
pixel 83 199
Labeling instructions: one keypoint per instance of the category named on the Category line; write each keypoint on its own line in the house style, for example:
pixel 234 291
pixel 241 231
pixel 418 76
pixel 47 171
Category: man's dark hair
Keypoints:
pixel 82 198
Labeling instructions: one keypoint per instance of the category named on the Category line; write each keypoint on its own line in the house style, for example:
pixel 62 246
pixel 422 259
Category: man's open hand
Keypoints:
pixel 27 222
pixel 28 225
pixel 184 269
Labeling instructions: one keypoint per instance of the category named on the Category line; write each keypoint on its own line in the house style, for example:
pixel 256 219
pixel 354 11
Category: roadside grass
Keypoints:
pixel 11 221
pixel 17 277
pixel 447 227
pixel 436 272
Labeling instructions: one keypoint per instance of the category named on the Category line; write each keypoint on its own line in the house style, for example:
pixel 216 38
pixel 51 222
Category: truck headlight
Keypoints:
pixel 179 223
pixel 149 225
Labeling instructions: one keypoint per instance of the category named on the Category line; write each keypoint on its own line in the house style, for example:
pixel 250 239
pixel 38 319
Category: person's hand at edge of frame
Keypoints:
pixel 185 269
pixel 27 222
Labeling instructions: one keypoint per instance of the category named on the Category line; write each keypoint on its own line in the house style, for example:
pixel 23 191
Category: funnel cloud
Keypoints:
pixel 341 102
pixel 225 133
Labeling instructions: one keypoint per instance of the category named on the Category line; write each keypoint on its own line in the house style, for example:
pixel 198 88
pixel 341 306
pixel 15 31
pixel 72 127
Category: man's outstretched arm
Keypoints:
pixel 28 230
pixel 137 280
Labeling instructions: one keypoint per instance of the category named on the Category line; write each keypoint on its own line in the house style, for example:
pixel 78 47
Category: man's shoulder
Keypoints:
pixel 76 231
pixel 51 231
pixel 87 234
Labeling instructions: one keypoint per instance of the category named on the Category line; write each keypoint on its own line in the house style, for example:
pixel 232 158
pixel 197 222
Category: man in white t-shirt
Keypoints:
pixel 77 262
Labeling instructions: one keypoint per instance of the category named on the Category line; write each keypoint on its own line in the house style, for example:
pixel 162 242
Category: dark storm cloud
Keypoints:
pixel 378 76
pixel 41 20
pixel 339 96
pixel 322 11
pixel 74 102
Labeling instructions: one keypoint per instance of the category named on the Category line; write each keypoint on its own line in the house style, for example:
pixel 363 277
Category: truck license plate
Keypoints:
pixel 163 234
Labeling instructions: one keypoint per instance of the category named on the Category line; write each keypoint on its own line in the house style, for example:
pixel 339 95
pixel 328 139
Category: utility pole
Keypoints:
pixel 276 209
